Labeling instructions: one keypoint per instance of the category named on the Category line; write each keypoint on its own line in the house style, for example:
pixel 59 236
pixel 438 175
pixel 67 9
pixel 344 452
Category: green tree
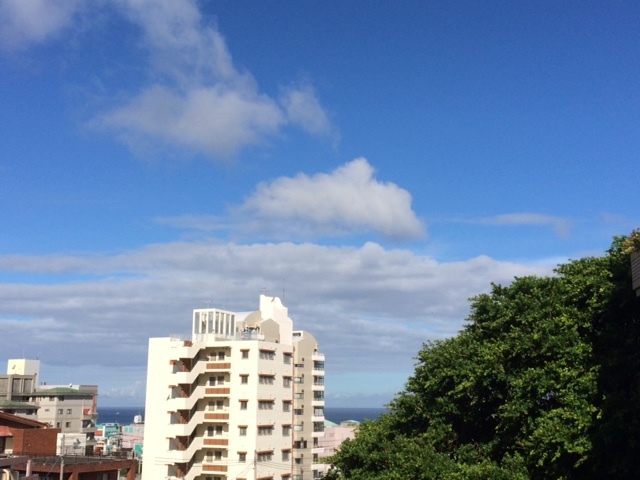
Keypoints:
pixel 542 383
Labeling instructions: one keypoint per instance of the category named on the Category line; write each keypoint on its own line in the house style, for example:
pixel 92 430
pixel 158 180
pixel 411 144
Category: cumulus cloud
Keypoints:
pixel 346 201
pixel 369 307
pixel 204 103
pixel 560 225
pixel 26 22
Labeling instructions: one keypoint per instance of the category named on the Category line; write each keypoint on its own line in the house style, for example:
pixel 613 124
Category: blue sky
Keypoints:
pixel 377 163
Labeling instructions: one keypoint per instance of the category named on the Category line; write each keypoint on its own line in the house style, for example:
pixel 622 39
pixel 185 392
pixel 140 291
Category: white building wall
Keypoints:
pixel 221 405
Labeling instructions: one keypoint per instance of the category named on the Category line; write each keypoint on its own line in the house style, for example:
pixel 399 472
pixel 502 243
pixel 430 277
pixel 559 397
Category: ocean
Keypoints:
pixel 124 415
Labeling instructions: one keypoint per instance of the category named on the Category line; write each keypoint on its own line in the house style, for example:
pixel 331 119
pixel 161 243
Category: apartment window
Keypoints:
pixel 242 457
pixel 265 456
pixel 67 424
pixel 265 379
pixel 265 404
pixel 286 455
pixel 286 406
pixel 267 355
pixel 218 429
pixel 244 379
pixel 286 430
pixel 287 358
pixel 221 380
pixel 209 456
pixel 245 353
pixel 218 455
pixel 210 431
pixel 220 355
pixel 265 430
pixel 318 412
pixel 68 411
pixel 298 396
pixel 298 411
pixel 286 382
pixel 298 428
pixel 243 404
pixel 58 424
pixel 60 411
pixel 242 431
pixel 212 381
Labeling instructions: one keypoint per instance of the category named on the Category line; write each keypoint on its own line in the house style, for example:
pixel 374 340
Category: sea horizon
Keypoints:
pixel 125 415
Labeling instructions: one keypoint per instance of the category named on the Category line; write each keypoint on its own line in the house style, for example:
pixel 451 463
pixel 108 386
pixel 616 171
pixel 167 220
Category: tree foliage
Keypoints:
pixel 542 383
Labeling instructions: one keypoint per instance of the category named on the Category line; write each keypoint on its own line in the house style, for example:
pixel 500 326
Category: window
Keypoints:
pixel 298 396
pixel 68 411
pixel 245 353
pixel 60 411
pixel 267 355
pixel 265 430
pixel 265 379
pixel 218 429
pixel 265 404
pixel 242 457
pixel 58 424
pixel 220 380
pixel 265 456
pixel 286 406
pixel 218 455
pixel 286 454
pixel 286 382
pixel 298 411
pixel 220 404
pixel 67 424
pixel 318 412
pixel 286 430
pixel 287 358
pixel 298 365
pixel 244 379
pixel 298 428
pixel 298 379
pixel 210 431
pixel 242 431
pixel 220 355
pixel 243 404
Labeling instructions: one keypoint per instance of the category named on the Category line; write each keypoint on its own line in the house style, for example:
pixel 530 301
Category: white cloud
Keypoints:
pixel 348 200
pixel 304 109
pixel 26 22
pixel 369 307
pixel 204 104
pixel 560 225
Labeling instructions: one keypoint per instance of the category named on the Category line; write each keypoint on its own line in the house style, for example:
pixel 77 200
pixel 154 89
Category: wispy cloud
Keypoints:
pixel 560 225
pixel 203 103
pixel 27 22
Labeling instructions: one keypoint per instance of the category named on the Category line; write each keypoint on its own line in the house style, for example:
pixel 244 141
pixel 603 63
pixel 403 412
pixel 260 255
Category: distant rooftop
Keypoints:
pixel 66 391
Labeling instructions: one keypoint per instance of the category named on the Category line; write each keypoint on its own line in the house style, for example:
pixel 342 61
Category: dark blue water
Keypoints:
pixel 124 415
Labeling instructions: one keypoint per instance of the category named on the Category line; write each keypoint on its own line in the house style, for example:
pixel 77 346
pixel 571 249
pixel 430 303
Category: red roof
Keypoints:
pixel 5 431
pixel 14 421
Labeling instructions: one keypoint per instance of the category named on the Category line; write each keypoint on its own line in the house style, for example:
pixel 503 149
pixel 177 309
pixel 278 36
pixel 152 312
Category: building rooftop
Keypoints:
pixel 66 391
pixel 12 404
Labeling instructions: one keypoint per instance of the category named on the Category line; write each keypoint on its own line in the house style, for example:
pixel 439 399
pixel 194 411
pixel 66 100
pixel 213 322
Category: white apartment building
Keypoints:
pixel 242 399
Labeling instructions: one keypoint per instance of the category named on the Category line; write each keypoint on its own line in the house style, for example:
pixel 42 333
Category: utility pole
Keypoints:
pixel 255 465
pixel 62 469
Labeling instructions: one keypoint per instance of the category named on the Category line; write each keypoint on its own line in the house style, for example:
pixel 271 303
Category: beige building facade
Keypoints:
pixel 241 399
